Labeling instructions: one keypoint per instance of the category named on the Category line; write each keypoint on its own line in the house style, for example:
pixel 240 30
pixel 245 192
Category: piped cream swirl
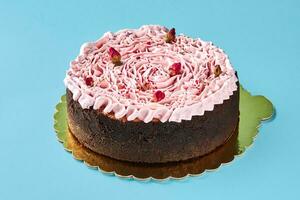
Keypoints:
pixel 127 90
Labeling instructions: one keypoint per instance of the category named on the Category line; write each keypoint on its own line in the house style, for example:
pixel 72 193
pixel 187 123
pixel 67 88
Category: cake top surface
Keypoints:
pixel 151 73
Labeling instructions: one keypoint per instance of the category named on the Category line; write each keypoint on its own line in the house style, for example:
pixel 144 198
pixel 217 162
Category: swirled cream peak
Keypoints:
pixel 183 72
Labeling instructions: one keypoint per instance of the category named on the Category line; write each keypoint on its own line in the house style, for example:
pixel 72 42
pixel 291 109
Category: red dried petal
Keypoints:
pixel 200 89
pixel 89 81
pixel 103 84
pixel 175 69
pixel 121 86
pixel 158 96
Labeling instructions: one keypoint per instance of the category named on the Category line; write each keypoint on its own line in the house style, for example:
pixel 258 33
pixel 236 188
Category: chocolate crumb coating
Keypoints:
pixel 153 142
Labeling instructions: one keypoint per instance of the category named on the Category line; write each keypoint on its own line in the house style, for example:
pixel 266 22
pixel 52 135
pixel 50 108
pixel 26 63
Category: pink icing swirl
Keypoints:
pixel 127 90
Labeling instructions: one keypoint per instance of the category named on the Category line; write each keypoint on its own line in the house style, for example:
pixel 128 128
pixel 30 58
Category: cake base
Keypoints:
pixel 153 142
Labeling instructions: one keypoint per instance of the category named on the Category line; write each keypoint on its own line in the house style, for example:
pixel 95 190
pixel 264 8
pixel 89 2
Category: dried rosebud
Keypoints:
pixel 171 36
pixel 217 70
pixel 89 81
pixel 146 86
pixel 115 56
pixel 158 96
pixel 175 69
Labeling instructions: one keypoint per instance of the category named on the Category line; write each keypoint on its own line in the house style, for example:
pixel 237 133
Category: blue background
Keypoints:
pixel 37 41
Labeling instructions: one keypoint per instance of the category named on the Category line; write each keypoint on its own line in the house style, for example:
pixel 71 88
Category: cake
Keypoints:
pixel 148 95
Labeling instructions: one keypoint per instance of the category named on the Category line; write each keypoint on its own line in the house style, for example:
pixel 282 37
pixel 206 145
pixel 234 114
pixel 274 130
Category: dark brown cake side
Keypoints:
pixel 153 142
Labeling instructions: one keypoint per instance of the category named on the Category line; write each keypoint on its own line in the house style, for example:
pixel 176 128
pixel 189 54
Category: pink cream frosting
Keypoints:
pixel 127 89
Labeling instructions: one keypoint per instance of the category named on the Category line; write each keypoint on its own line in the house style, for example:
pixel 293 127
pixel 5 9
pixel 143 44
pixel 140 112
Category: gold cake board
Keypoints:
pixel 253 110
